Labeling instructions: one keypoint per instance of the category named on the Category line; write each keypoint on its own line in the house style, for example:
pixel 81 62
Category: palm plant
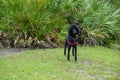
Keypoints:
pixel 99 19
pixel 37 18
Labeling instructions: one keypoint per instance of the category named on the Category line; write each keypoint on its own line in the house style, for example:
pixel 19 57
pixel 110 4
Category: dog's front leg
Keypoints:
pixel 65 47
pixel 73 50
pixel 75 53
pixel 68 57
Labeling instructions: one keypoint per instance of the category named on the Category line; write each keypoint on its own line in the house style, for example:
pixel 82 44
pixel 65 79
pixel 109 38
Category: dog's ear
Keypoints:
pixel 80 31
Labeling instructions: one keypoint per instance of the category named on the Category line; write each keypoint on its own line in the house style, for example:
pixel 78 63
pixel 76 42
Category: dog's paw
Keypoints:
pixel 64 53
pixel 73 54
pixel 75 60
pixel 68 59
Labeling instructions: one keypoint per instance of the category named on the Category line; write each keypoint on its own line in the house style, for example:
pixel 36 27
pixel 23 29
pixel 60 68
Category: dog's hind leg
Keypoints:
pixel 68 56
pixel 75 53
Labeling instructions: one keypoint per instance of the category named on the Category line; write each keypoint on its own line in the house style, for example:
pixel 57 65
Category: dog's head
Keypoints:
pixel 73 30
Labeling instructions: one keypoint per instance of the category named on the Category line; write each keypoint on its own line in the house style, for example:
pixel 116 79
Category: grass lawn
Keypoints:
pixel 96 63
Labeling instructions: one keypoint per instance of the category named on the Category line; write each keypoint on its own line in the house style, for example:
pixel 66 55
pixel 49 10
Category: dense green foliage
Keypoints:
pixel 100 19
pixel 96 63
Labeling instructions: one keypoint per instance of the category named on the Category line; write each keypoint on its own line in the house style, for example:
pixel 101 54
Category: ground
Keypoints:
pixel 94 63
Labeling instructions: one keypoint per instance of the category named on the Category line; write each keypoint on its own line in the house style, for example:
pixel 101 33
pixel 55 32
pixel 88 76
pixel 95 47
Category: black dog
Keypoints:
pixel 71 41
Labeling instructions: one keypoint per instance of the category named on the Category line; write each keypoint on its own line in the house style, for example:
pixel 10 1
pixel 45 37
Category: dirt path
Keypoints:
pixel 10 51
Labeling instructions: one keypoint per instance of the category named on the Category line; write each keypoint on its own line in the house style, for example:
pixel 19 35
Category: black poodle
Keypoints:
pixel 71 41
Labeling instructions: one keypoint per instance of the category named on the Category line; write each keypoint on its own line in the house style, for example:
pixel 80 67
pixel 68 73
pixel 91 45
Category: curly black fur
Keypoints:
pixel 72 32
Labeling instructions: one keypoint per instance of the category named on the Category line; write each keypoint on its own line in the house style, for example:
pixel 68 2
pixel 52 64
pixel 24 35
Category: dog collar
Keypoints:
pixel 72 44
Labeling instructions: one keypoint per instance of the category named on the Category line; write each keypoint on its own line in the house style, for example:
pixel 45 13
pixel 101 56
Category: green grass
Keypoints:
pixel 96 63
